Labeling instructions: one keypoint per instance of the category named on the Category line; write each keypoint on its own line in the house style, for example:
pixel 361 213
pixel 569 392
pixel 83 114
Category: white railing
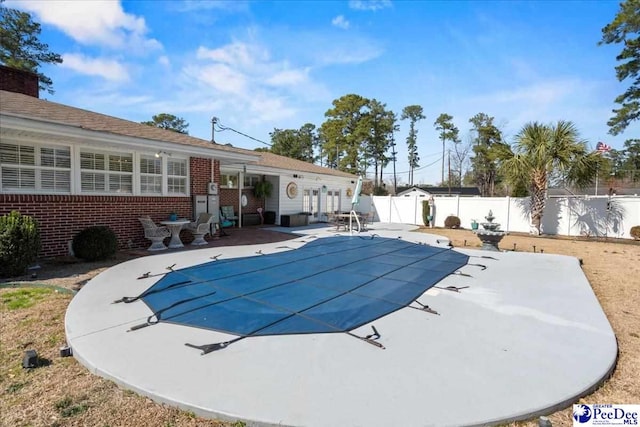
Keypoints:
pixel 569 216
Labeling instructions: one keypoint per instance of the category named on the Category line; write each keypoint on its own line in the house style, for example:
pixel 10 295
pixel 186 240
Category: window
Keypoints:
pixel 228 180
pixel 333 201
pixel 150 175
pixel 308 197
pixel 106 172
pixel 28 167
pixel 250 181
pixel 42 168
pixel 177 176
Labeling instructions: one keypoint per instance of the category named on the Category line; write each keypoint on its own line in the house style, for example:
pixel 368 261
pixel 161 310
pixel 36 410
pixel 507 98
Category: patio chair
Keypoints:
pixel 200 228
pixel 367 219
pixel 154 233
pixel 228 213
pixel 227 218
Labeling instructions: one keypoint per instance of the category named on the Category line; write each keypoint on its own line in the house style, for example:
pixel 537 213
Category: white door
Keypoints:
pixel 311 202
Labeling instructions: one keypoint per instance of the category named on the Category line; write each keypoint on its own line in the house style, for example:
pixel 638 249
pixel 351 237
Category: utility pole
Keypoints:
pixel 393 153
pixel 214 120
pixel 442 178
pixel 449 152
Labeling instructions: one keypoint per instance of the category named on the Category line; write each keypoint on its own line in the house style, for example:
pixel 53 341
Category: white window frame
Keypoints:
pixel 332 197
pixel 177 177
pixel 250 180
pixel 229 177
pixel 155 174
pixel 73 171
pixel 106 172
pixel 64 172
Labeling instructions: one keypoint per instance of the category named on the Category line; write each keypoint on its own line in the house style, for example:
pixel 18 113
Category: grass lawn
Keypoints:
pixel 64 393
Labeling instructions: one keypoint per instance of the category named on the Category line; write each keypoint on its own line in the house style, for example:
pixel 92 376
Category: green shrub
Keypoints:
pixel 95 243
pixel 635 232
pixel 452 221
pixel 426 211
pixel 262 189
pixel 19 243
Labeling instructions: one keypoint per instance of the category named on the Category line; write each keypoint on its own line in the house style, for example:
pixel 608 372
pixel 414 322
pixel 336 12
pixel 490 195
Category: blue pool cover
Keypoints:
pixel 332 284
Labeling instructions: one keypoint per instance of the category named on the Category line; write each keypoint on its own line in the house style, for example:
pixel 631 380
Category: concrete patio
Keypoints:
pixel 521 338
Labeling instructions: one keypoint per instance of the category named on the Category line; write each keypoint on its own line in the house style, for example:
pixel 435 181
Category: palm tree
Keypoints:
pixel 542 151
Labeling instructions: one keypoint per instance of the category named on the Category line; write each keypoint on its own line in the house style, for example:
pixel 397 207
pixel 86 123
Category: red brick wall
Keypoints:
pixel 229 196
pixel 14 80
pixel 200 175
pixel 62 216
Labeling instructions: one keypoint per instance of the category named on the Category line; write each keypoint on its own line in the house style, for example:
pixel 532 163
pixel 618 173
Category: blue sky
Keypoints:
pixel 264 65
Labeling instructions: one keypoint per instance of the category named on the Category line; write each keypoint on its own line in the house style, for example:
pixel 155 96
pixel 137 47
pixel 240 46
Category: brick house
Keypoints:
pixel 71 168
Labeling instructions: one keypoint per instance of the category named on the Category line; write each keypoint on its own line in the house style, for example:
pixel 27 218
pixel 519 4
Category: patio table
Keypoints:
pixel 175 227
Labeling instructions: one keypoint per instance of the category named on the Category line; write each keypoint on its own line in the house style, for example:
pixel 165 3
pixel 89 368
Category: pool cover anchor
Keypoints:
pixel 370 339
pixel 460 273
pixel 209 348
pixel 424 307
pixel 148 273
pixel 483 256
pixel 452 288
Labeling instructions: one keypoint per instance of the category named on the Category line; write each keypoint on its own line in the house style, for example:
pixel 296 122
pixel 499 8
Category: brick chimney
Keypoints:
pixel 14 80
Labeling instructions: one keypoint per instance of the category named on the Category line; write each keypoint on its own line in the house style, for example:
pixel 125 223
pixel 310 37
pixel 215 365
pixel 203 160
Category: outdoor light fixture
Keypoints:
pixel 162 153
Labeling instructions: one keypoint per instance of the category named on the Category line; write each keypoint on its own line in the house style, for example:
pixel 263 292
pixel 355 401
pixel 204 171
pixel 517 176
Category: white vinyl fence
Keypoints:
pixel 569 216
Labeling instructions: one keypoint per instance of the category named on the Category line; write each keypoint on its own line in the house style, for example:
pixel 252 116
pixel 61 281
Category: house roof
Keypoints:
pixel 413 191
pixel 19 105
pixel 28 107
pixel 281 162
pixel 444 191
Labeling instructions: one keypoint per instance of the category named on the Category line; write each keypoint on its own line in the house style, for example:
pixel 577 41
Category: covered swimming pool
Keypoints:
pixel 335 284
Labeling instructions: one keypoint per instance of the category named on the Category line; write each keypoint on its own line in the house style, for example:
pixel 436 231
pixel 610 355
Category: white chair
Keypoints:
pixel 154 233
pixel 200 228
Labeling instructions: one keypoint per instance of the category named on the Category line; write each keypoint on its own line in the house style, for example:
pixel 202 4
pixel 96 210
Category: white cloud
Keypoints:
pixel 348 53
pixel 340 22
pixel 96 22
pixel 220 77
pixel 164 61
pixel 262 89
pixel 108 69
pixel 221 5
pixel 370 5
pixel 235 54
pixel 267 108
pixel 288 78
